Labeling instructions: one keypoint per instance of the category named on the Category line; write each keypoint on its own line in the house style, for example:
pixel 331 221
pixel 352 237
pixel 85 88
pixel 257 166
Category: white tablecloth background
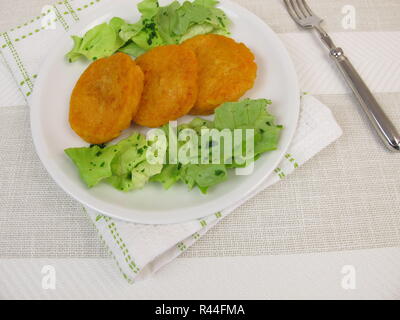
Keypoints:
pixel 346 198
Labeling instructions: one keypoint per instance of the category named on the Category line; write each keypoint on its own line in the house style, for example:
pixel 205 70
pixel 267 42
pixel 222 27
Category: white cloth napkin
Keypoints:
pixel 140 250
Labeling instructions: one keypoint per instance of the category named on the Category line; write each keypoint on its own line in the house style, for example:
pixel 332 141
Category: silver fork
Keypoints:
pixel 303 15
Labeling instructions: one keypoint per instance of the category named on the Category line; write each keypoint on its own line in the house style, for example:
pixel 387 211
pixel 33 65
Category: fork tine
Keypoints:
pixel 307 8
pixel 295 9
pixel 302 9
pixel 291 11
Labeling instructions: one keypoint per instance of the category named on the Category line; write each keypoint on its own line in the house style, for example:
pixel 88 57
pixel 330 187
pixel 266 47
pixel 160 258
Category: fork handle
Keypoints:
pixel 370 105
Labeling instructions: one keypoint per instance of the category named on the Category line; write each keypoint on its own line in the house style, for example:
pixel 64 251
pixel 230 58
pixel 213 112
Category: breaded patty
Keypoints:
pixel 226 71
pixel 170 85
pixel 105 98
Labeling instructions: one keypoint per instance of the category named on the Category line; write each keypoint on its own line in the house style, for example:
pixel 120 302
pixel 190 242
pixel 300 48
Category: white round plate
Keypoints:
pixel 52 134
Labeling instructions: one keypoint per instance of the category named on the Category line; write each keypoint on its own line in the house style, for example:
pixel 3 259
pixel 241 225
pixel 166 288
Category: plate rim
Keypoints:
pixel 35 129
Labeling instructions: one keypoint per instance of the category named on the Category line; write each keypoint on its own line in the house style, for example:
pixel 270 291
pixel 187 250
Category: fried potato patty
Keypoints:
pixel 105 98
pixel 226 71
pixel 170 85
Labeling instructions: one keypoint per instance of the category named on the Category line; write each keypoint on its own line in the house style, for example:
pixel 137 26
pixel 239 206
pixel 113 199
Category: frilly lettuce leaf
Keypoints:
pixel 203 176
pixel 123 165
pixel 196 30
pixel 132 49
pixel 177 23
pixel 250 114
pixel 148 8
pixel 171 24
pixel 93 163
pixel 206 3
pixel 99 42
pixel 247 114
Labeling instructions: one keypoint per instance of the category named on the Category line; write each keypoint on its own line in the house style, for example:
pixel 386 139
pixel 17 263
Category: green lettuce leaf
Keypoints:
pixel 149 36
pixel 132 49
pixel 117 23
pixel 75 54
pixel 135 179
pixel 206 3
pixel 148 8
pixel 143 172
pixel 171 24
pixel 94 163
pixel 177 23
pixel 130 169
pixel 196 30
pixel 168 21
pixel 131 153
pixel 99 42
pixel 203 176
pixel 247 114
pixel 125 164
pixel 250 114
pixel 169 176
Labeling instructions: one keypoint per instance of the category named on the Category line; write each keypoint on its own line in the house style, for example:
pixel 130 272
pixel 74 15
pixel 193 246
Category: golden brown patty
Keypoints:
pixel 170 85
pixel 105 98
pixel 226 71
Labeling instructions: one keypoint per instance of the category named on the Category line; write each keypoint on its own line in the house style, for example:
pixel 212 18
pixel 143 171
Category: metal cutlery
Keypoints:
pixel 304 16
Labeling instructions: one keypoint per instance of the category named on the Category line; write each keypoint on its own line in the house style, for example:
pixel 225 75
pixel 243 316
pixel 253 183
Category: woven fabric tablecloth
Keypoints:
pixel 346 198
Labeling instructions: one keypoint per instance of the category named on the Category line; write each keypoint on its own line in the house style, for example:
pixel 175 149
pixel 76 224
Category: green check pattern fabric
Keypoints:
pixel 141 250
pixel 25 46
